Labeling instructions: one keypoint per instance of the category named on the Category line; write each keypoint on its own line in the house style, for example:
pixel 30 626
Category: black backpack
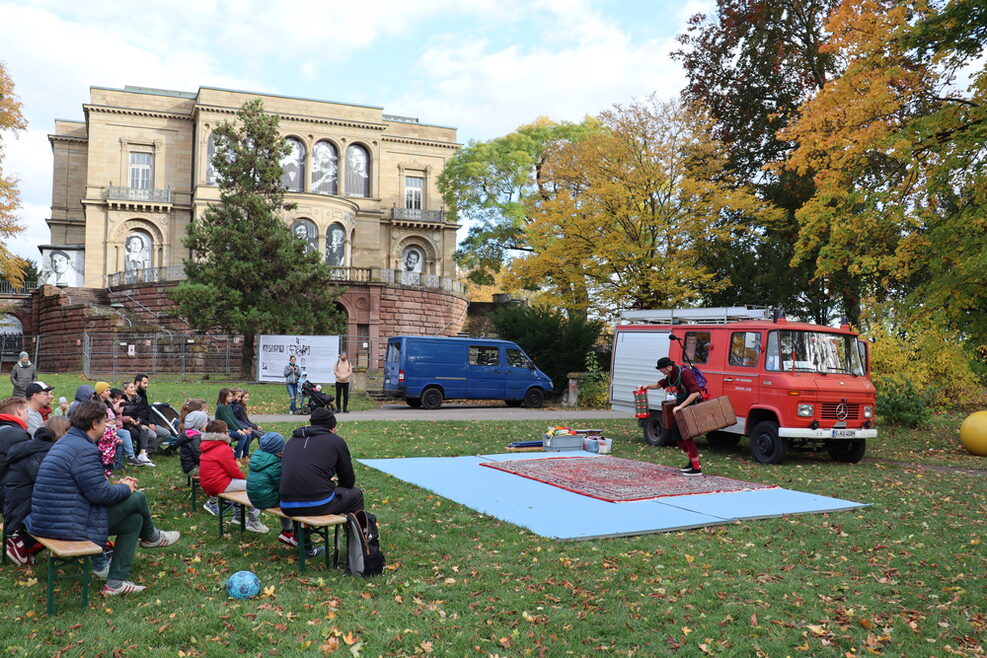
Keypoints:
pixel 363 556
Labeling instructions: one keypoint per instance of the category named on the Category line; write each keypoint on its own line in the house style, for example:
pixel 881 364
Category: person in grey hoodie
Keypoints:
pixel 22 374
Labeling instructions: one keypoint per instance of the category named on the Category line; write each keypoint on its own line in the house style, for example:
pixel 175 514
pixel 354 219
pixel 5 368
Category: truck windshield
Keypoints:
pixel 813 351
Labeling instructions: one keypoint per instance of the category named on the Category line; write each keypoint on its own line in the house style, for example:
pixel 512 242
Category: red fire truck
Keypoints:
pixel 792 385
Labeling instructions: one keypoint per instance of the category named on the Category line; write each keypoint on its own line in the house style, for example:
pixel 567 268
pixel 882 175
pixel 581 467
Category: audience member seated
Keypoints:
pixel 264 480
pixel 13 430
pixel 310 460
pixel 73 501
pixel 241 433
pixel 38 400
pixel 241 399
pixel 24 459
pixel 218 470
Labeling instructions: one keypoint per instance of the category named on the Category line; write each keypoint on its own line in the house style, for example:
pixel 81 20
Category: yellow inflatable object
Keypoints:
pixel 973 433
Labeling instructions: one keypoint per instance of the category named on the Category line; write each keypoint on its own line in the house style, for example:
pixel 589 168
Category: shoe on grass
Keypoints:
pixel 103 573
pixel 125 587
pixel 165 538
pixel 315 551
pixel 16 551
pixel 212 508
pixel 253 525
pixel 693 471
pixel 288 538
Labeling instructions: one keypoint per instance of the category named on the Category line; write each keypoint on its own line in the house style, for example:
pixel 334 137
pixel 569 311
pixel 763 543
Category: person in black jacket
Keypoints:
pixel 13 430
pixel 24 460
pixel 310 460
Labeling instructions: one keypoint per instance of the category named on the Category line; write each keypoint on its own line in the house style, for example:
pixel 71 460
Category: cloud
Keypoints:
pixel 486 88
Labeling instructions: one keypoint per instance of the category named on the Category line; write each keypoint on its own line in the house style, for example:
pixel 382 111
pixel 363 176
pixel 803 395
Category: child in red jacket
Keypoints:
pixel 219 472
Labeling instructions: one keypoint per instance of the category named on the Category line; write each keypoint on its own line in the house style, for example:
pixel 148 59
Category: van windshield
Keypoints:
pixel 813 351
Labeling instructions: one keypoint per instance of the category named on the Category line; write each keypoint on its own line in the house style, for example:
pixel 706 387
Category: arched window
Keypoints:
pixel 137 250
pixel 294 167
pixel 336 245
pixel 325 168
pixel 304 229
pixel 357 171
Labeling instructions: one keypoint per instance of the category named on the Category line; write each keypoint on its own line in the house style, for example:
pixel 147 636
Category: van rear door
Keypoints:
pixel 635 353
pixel 392 365
pixel 486 372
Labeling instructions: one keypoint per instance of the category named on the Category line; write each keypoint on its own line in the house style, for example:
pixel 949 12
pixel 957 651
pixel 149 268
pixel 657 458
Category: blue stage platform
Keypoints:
pixel 559 514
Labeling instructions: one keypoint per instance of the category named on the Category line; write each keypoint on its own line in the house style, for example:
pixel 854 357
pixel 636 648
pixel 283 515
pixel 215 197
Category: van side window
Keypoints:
pixel 517 359
pixel 745 347
pixel 393 352
pixel 481 355
pixel 695 347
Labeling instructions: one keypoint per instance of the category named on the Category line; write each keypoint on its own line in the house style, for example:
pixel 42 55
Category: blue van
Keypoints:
pixel 424 370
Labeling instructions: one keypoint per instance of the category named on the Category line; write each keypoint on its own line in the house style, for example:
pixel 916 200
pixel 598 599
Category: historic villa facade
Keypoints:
pixel 129 178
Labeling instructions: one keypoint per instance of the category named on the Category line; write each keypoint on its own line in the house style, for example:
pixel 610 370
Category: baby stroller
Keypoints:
pixel 313 398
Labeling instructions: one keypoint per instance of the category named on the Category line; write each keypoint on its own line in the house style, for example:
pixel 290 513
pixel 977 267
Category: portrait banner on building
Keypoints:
pixel 315 355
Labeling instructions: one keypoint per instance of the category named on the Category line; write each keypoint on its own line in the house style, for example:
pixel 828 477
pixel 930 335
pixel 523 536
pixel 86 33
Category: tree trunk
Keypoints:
pixel 247 359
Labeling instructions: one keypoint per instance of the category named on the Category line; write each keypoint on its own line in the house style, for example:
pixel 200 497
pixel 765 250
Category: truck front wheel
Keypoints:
pixel 766 446
pixel 850 451
pixel 431 398
pixel 654 432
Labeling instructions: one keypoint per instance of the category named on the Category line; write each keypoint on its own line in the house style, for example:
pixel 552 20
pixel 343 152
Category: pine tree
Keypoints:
pixel 247 273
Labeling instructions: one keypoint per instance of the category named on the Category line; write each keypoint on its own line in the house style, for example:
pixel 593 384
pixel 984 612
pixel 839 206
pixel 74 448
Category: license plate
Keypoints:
pixel 844 434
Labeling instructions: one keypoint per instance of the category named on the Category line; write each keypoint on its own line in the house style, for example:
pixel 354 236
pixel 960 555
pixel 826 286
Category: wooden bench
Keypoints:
pixel 318 525
pixel 64 553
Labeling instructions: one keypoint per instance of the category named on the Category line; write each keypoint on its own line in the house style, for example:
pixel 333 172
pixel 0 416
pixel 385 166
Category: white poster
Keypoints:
pixel 62 267
pixel 315 355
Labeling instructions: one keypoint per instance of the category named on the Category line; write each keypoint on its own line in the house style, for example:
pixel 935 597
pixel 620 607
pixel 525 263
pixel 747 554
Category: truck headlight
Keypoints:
pixel 868 411
pixel 806 410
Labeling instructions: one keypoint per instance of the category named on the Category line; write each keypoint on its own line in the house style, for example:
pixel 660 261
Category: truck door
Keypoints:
pixel 486 373
pixel 635 353
pixel 742 374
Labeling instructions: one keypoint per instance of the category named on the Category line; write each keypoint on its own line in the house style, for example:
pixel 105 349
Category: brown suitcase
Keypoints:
pixel 705 417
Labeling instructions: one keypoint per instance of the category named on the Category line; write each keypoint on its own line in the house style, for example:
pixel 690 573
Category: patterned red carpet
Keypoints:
pixel 618 480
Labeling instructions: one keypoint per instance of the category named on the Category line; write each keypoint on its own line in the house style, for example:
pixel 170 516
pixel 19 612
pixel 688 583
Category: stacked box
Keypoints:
pixel 705 417
pixel 559 442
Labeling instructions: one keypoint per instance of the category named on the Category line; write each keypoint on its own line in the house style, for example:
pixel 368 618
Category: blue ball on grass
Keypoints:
pixel 243 585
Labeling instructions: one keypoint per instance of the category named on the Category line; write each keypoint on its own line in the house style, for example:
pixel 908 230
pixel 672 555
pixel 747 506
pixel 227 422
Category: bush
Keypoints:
pixel 556 342
pixel 899 403
pixel 594 386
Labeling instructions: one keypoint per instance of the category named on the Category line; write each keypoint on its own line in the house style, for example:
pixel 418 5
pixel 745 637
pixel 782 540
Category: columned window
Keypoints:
pixel 293 178
pixel 357 171
pixel 325 168
pixel 414 191
pixel 141 174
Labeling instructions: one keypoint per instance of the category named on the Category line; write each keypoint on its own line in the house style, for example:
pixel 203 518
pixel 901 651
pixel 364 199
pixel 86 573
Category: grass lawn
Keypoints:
pixel 904 577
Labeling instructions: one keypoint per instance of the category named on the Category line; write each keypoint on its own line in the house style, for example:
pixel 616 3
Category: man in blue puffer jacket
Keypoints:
pixel 73 500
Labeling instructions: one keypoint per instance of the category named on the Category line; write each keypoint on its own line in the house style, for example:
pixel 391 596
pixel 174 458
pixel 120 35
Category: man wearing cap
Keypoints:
pixel 38 397
pixel 22 374
pixel 686 392
pixel 310 460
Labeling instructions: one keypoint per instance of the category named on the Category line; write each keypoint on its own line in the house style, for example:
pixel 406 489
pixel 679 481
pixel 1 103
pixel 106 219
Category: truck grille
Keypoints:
pixel 852 410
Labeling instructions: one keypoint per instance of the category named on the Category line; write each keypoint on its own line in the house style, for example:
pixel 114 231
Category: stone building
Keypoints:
pixel 130 177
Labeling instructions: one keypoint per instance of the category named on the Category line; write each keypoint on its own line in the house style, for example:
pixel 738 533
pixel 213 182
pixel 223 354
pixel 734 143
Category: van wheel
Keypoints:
pixel 654 432
pixel 513 403
pixel 850 451
pixel 722 439
pixel 534 398
pixel 766 446
pixel 431 398
pixel 414 403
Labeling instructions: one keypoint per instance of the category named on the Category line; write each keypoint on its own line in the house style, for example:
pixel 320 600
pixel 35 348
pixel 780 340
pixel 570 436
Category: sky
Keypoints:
pixel 484 67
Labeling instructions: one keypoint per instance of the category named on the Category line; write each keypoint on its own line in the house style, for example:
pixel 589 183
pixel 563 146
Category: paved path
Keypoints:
pixel 457 412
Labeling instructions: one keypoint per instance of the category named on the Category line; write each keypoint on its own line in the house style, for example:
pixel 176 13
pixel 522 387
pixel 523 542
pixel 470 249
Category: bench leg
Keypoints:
pixel 335 548
pixel 86 564
pixel 51 584
pixel 297 529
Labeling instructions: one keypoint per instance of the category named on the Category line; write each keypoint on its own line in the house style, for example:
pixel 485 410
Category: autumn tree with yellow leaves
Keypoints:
pixel 11 121
pixel 627 212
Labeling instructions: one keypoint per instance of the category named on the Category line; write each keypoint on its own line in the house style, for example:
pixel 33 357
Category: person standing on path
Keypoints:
pixel 291 375
pixel 343 372
pixel 22 374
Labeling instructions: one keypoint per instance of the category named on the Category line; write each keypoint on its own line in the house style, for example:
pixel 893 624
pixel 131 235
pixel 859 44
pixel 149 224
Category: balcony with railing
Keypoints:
pixel 343 275
pixel 418 215
pixel 7 289
pixel 119 195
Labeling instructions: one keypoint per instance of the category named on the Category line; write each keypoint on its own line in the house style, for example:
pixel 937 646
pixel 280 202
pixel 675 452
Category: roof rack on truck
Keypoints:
pixel 710 315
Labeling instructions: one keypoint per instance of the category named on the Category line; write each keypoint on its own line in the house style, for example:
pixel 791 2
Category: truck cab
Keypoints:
pixel 792 385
